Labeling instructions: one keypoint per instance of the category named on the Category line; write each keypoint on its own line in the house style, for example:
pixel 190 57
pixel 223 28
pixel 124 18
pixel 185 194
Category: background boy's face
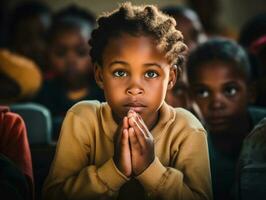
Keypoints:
pixel 69 55
pixel 134 75
pixel 221 93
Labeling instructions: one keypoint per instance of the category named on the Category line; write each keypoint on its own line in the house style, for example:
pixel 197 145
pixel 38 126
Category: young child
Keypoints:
pixel 134 146
pixel 192 31
pixel 70 63
pixel 218 72
pixel 180 96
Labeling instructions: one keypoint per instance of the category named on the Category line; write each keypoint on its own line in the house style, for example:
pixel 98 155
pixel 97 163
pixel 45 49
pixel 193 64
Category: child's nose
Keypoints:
pixel 71 56
pixel 217 101
pixel 134 91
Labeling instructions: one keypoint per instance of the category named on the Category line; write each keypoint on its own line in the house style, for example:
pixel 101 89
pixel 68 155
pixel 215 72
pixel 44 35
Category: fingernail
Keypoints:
pixel 131 111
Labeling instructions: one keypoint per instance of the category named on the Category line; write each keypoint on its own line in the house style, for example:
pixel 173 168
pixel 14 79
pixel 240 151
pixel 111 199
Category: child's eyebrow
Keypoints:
pixel 152 64
pixel 127 64
pixel 118 62
pixel 229 83
pixel 197 84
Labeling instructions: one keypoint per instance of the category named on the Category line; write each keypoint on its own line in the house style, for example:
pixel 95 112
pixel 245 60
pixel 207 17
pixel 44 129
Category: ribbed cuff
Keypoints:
pixel 150 178
pixel 111 176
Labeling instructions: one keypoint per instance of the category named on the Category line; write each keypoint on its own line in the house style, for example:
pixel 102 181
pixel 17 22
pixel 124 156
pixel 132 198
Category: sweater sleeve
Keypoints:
pixel 188 178
pixel 72 174
pixel 16 143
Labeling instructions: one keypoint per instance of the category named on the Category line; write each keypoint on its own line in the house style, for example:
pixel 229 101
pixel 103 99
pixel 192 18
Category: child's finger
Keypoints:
pixel 125 123
pixel 131 117
pixel 143 126
pixel 133 123
pixel 124 139
pixel 139 133
pixel 134 143
pixel 118 135
pixel 130 113
pixel 124 144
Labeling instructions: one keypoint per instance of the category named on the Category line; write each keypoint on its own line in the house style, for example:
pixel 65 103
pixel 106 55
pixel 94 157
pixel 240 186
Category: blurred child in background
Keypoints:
pixel 219 72
pixel 69 63
pixel 190 26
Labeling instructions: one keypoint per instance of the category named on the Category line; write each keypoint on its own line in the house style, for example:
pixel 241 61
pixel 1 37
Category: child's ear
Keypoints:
pixel 98 74
pixel 175 73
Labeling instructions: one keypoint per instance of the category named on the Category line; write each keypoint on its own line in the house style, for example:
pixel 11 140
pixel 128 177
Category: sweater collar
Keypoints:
pixel 166 117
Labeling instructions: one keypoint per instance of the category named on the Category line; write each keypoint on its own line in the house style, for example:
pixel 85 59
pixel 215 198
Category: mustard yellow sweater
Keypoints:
pixel 83 167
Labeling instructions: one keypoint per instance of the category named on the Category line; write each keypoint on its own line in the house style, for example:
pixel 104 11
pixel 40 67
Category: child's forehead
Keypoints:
pixel 219 70
pixel 121 38
pixel 129 47
pixel 71 32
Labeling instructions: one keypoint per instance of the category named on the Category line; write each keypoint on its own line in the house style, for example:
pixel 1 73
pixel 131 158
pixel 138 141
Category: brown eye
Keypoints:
pixel 202 93
pixel 179 91
pixel 151 74
pixel 82 52
pixel 230 91
pixel 120 73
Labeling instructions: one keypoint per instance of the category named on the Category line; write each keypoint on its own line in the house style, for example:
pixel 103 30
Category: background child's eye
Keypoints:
pixel 151 74
pixel 230 91
pixel 202 93
pixel 120 73
pixel 82 52
pixel 180 89
pixel 60 52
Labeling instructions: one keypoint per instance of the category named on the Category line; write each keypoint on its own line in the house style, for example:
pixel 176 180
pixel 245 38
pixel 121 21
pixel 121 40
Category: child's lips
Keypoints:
pixel 217 120
pixel 136 106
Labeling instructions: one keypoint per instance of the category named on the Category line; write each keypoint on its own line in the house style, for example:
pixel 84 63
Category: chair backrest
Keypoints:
pixel 37 120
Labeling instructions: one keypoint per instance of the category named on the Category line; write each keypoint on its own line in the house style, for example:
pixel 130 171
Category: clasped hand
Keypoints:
pixel 134 146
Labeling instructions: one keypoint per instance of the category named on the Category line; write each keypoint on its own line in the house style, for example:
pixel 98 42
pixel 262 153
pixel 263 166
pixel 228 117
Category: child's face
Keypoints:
pixel 221 93
pixel 135 75
pixel 69 55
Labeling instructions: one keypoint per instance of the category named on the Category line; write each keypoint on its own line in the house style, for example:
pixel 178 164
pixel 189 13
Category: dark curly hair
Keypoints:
pixel 136 21
pixel 218 49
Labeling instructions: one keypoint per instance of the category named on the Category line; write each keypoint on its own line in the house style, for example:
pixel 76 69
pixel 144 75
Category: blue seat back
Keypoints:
pixel 38 122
